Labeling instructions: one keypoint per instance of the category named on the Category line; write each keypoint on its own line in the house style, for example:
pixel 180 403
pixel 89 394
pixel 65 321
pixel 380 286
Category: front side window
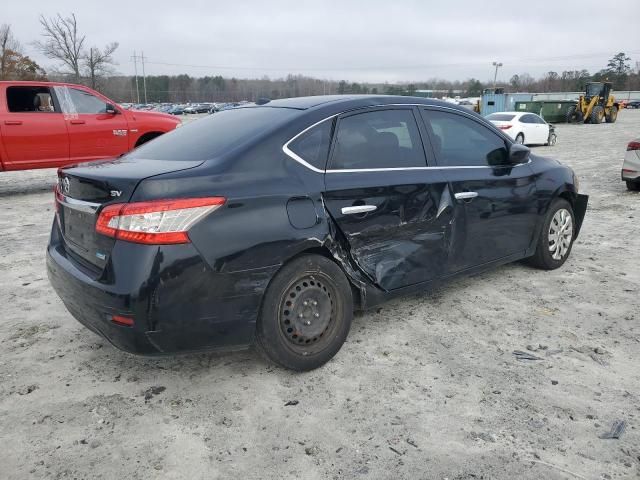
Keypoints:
pixel 84 102
pixel 378 139
pixel 313 145
pixel 460 141
pixel 29 99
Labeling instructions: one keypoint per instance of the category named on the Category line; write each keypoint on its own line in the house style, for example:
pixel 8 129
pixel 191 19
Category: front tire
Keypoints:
pixel 556 238
pixel 306 314
pixel 596 114
pixel 612 116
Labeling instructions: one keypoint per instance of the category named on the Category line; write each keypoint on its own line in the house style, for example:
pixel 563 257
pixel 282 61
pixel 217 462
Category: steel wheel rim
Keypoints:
pixel 560 234
pixel 307 313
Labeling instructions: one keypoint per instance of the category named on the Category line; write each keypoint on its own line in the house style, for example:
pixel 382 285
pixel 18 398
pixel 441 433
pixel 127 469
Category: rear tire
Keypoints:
pixel 574 115
pixel 520 139
pixel 633 186
pixel 306 314
pixel 556 238
pixel 596 114
pixel 612 116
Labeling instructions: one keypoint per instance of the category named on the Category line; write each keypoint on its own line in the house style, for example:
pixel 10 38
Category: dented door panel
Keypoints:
pixel 406 239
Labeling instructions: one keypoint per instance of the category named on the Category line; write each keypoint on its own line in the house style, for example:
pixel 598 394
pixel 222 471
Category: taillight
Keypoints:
pixel 504 127
pixel 633 146
pixel 155 222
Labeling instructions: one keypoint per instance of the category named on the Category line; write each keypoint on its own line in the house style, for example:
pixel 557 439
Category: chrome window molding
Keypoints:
pixel 291 154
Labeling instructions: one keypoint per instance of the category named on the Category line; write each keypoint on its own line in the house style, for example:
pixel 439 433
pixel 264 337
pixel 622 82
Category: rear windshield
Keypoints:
pixel 215 135
pixel 500 117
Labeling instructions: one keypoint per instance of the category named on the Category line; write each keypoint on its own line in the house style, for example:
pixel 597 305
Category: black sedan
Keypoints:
pixel 270 224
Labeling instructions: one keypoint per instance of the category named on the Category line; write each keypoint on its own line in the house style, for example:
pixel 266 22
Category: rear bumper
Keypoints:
pixel 177 302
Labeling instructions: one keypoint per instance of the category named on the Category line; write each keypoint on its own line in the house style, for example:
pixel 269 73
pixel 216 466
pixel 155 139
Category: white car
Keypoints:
pixel 631 165
pixel 525 128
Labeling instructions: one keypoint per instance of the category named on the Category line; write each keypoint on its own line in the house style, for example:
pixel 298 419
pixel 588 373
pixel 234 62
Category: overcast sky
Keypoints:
pixel 355 40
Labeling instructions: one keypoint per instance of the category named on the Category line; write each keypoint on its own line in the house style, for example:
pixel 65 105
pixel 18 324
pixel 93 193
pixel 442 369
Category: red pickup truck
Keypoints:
pixel 46 124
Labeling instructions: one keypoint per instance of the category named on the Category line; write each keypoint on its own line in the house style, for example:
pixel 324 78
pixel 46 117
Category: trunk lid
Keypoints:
pixel 84 189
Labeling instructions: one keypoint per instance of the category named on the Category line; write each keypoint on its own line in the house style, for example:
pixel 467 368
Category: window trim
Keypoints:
pixel 492 128
pixel 379 108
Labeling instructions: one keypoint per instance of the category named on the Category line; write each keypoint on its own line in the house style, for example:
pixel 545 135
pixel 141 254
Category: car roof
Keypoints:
pixel 354 101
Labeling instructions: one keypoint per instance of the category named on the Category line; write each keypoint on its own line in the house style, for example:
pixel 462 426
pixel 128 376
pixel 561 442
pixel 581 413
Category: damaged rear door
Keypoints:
pixel 395 212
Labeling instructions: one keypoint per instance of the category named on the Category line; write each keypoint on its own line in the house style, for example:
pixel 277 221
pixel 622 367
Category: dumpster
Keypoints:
pixel 556 111
pixel 553 111
pixel 530 107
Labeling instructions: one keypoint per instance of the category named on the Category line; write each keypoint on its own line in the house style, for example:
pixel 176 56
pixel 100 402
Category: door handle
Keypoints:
pixel 358 209
pixel 77 122
pixel 466 195
pixel 13 122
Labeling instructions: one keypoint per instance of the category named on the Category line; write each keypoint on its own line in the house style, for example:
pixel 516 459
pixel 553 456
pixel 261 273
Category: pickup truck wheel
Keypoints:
pixel 306 314
pixel 556 238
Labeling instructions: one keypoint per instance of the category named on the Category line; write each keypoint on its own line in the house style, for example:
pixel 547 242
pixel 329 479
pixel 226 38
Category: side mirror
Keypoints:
pixel 110 109
pixel 518 154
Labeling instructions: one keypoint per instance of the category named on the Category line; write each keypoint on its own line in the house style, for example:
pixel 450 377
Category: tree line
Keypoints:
pixel 63 43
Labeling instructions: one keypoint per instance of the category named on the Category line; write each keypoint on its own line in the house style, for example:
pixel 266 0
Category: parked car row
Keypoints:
pixel 184 108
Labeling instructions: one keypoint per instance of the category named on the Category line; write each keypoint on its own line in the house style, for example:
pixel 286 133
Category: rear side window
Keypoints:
pixel 313 145
pixel 29 99
pixel 500 117
pixel 215 135
pixel 378 139
pixel 462 142
pixel 528 119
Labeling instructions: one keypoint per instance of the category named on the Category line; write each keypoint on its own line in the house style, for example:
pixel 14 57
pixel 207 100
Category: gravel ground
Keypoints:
pixel 425 387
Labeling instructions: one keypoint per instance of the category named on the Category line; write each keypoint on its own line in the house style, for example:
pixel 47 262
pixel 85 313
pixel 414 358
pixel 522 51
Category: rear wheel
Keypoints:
pixel 574 115
pixel 556 239
pixel 597 114
pixel 306 314
pixel 520 139
pixel 633 186
pixel 612 115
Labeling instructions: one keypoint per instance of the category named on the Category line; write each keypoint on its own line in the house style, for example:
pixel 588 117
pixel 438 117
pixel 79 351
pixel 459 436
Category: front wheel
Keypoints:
pixel 612 116
pixel 597 114
pixel 306 314
pixel 556 238
pixel 552 140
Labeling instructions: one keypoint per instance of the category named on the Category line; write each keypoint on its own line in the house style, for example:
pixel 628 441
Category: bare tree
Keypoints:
pixel 9 47
pixel 62 42
pixel 98 62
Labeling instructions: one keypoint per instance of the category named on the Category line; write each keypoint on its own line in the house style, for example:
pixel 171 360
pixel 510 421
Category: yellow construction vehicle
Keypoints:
pixel 595 105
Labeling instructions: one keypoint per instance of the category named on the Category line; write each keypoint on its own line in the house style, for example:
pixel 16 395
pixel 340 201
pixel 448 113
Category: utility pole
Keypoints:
pixel 495 75
pixel 144 79
pixel 135 69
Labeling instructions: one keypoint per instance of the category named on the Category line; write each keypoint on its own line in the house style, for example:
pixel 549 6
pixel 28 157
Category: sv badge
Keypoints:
pixel 115 193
